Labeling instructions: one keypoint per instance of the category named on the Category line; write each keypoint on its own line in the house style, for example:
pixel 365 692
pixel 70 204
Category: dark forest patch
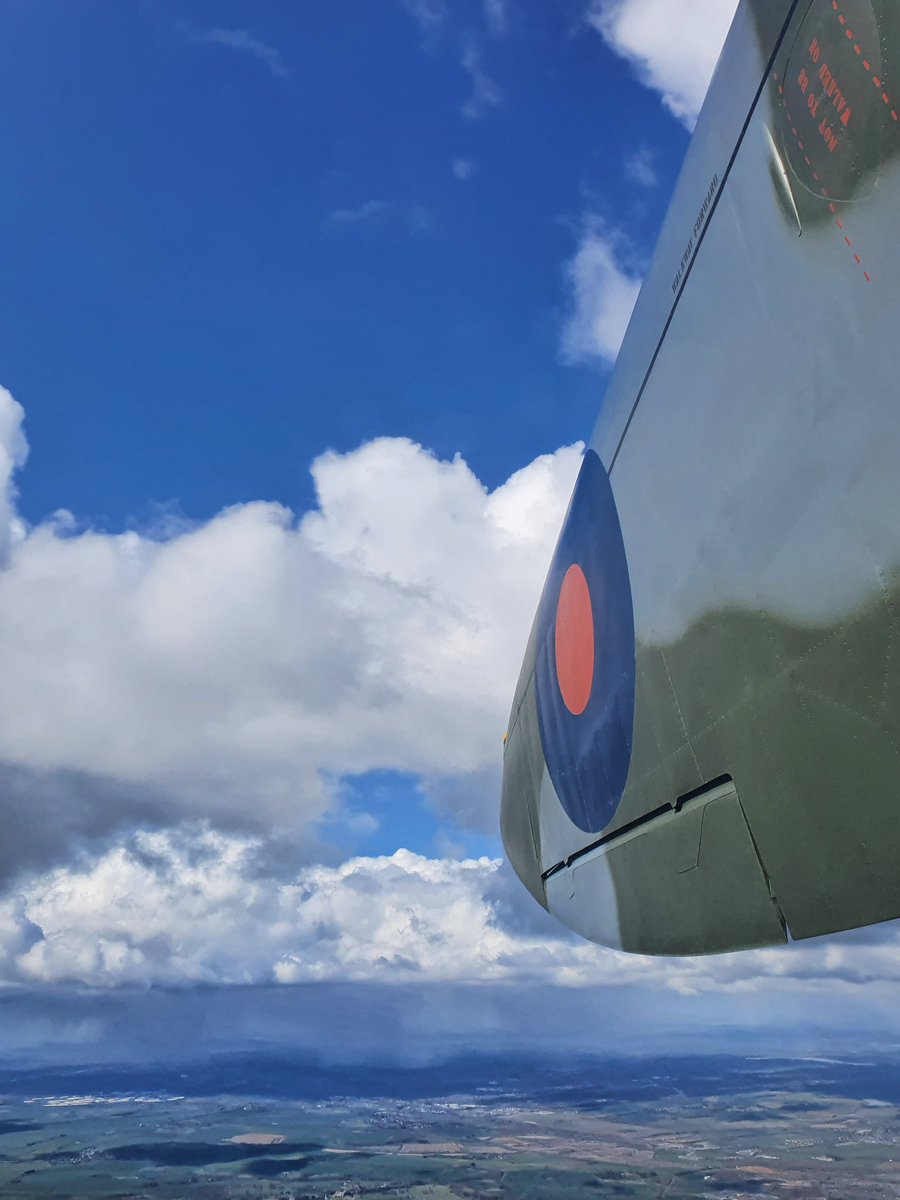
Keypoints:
pixel 202 1154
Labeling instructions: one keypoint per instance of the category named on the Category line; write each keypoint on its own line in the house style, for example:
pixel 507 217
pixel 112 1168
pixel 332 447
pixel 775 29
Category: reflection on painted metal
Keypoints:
pixel 585 662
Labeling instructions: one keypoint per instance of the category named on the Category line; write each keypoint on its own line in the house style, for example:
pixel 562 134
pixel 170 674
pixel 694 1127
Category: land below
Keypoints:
pixel 670 1129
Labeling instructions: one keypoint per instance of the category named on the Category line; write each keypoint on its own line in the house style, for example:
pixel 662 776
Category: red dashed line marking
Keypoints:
pixel 824 190
pixel 895 116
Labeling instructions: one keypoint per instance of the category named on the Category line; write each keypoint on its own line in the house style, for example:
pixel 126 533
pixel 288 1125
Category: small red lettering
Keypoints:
pixel 828 135
pixel 835 95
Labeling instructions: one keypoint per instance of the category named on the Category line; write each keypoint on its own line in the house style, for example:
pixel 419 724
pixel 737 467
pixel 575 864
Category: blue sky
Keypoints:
pixel 237 238
pixel 305 308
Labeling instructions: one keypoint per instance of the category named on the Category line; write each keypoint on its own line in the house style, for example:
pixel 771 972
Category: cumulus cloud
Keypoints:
pixel 673 44
pixel 602 295
pixel 243 42
pixel 462 168
pixel 191 906
pixel 232 669
pixel 171 705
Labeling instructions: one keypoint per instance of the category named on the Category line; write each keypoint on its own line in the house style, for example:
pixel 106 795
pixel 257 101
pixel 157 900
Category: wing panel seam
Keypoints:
pixel 712 212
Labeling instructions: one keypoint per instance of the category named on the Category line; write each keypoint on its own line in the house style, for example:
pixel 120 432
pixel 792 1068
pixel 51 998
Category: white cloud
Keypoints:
pixel 353 216
pixel 673 44
pixel 485 92
pixel 235 665
pixel 640 167
pixel 602 295
pixel 245 43
pixel 13 453
pixel 191 906
pixel 462 168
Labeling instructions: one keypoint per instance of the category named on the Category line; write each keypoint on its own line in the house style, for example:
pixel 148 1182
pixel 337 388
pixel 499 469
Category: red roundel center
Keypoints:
pixel 575 641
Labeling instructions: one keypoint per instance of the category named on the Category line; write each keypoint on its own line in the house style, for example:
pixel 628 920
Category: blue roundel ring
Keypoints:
pixel 585 673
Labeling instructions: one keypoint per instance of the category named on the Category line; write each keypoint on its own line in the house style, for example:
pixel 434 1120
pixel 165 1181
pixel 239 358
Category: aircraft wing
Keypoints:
pixel 703 752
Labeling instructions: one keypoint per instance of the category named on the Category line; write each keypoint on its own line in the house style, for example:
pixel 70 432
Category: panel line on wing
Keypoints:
pixel 715 204
pixel 701 795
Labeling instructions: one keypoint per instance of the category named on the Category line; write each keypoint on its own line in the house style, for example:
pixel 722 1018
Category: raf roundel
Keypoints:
pixel 585 672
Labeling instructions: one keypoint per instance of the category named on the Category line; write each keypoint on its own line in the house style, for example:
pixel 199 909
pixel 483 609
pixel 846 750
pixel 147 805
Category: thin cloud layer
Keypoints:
pixel 673 44
pixel 602 295
pixel 640 167
pixel 429 15
pixel 485 93
pixel 496 14
pixel 243 42
pixel 353 216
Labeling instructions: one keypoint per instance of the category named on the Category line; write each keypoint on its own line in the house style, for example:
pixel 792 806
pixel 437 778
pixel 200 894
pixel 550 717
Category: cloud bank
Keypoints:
pixel 235 670
pixel 176 715
pixel 192 906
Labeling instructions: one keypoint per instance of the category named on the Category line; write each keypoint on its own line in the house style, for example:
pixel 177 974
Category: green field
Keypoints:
pixel 768 1144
